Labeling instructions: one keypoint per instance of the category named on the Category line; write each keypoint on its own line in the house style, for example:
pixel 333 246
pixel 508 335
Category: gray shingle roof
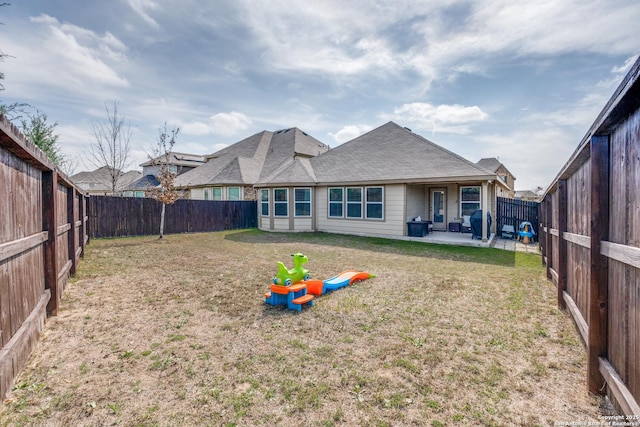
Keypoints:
pixel 489 163
pixel 143 183
pixel 178 159
pixel 392 153
pixel 250 160
pixel 100 179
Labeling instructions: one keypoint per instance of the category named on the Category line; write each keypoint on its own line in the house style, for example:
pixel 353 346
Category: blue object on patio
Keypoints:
pixel 526 230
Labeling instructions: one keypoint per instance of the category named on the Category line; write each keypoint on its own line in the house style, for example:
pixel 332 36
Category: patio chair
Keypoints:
pixel 466 223
pixel 507 231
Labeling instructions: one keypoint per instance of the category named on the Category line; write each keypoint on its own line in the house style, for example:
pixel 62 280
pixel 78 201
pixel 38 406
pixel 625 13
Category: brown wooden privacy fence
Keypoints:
pixel 590 219
pixel 513 212
pixel 42 236
pixel 128 216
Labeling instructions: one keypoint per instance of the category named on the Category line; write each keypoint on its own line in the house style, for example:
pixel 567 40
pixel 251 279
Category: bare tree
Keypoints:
pixel 112 145
pixel 164 192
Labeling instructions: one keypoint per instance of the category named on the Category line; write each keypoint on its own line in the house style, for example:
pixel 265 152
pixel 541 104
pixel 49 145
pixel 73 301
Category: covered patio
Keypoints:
pixel 452 238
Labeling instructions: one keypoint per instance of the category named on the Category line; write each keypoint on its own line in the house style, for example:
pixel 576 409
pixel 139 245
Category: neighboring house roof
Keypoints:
pixel 390 153
pixel 492 164
pixel 178 159
pixel 100 179
pixel 246 161
pixel 526 195
pixel 144 183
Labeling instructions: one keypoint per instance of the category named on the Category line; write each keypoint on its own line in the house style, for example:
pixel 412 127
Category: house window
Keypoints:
pixel 139 194
pixel 280 202
pixel 233 193
pixel 264 202
pixel 469 200
pixel 173 169
pixel 354 202
pixel 302 201
pixel 336 199
pixel 127 193
pixel 216 193
pixel 374 203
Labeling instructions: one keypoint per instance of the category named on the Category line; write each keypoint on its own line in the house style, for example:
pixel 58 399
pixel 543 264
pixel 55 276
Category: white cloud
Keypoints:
pixel 67 57
pixel 223 124
pixel 349 132
pixel 442 118
pixel 141 6
pixel 435 40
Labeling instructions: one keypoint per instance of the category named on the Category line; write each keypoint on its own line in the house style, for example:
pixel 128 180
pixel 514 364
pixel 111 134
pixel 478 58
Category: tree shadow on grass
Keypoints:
pixel 470 254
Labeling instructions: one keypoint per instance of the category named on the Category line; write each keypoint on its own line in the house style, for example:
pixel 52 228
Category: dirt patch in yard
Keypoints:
pixel 176 332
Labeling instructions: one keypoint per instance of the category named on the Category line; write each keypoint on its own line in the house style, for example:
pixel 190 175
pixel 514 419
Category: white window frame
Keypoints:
pixel 463 202
pixel 330 202
pixel 276 202
pixel 348 203
pixel 296 202
pixel 367 203
pixel 264 202
pixel 234 188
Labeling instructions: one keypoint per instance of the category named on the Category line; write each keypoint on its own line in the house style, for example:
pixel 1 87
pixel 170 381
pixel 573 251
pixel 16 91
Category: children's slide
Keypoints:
pixel 347 277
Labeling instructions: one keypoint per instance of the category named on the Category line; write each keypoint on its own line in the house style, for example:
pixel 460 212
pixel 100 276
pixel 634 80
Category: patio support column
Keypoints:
pixel 485 209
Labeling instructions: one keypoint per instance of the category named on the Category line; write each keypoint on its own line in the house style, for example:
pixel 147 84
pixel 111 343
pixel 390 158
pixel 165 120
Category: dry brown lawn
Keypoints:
pixel 176 333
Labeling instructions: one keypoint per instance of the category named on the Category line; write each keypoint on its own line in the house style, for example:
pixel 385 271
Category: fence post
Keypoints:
pixel 561 268
pixel 49 215
pixel 548 236
pixel 542 235
pixel 82 233
pixel 71 236
pixel 599 269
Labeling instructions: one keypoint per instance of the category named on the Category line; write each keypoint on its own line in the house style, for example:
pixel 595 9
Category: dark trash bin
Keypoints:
pixel 418 228
pixel 476 224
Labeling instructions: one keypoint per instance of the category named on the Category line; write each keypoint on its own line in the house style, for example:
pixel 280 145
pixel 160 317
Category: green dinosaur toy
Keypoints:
pixel 286 277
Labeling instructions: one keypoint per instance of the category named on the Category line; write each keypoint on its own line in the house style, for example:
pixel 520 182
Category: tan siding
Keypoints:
pixel 281 224
pixel 453 203
pixel 303 224
pixel 197 194
pixel 417 202
pixel 263 222
pixel 393 224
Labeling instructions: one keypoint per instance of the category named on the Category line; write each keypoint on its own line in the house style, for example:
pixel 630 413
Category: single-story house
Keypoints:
pixel 374 184
pixel 231 173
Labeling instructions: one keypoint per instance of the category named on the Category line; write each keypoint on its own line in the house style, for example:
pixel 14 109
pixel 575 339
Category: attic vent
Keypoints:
pixel 408 129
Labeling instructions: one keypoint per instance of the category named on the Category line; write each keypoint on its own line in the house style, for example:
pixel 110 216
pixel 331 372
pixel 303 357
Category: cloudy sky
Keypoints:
pixel 518 80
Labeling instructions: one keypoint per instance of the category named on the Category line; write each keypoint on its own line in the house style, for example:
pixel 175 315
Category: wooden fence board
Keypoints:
pixel 633 351
pixel 127 216
pixel 602 259
pixel 34 246
pixel 513 212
